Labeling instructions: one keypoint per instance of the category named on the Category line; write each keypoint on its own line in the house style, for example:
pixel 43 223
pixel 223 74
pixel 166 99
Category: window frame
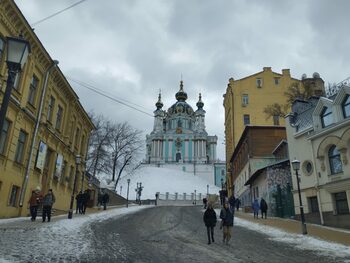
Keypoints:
pixel 276 120
pixel 334 154
pixel 325 115
pixel 346 105
pixel 4 142
pixel 245 99
pixel 20 148
pixel 313 204
pixel 59 117
pixel 50 108
pixel 259 82
pixel 342 199
pixel 276 81
pixel 244 119
pixel 13 197
pixel 33 87
pixel 16 81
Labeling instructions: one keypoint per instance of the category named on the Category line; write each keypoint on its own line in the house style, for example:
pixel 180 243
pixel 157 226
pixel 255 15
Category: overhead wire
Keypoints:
pixel 120 101
pixel 57 13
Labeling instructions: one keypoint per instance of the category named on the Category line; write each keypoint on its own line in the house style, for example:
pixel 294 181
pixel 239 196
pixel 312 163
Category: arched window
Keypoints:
pixel 346 107
pixel 326 117
pixel 179 124
pixel 334 160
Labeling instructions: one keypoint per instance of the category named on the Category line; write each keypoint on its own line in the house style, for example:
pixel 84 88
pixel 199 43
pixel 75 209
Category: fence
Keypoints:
pixel 180 199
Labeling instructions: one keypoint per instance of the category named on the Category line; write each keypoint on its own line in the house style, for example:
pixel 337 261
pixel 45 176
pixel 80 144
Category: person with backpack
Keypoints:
pixel 209 219
pixel 256 208
pixel 227 222
pixel 48 201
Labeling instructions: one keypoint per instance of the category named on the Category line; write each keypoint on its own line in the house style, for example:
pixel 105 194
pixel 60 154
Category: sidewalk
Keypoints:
pixel 341 236
pixel 26 223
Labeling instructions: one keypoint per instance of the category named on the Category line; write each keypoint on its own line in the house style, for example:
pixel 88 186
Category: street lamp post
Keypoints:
pixel 207 190
pixel 195 201
pixel 296 167
pixel 121 187
pixel 77 162
pixel 17 53
pixel 127 195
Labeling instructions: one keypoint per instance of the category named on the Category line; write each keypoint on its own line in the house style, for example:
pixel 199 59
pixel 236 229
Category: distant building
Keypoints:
pixel 254 151
pixel 244 102
pixel 319 137
pixel 179 139
pixel 220 174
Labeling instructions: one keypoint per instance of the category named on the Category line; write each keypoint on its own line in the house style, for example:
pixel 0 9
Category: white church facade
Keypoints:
pixel 179 139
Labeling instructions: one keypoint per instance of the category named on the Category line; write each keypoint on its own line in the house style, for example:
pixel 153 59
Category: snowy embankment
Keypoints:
pixel 322 247
pixel 159 179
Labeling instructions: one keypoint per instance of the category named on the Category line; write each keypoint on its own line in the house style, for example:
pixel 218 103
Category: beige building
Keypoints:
pixel 63 131
pixel 245 100
pixel 318 132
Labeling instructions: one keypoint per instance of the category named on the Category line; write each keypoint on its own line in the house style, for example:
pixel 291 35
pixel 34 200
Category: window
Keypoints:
pixel 16 81
pixel 82 145
pixel 307 168
pixel 32 89
pixel 245 99
pixel 3 136
pixel 277 81
pixel 13 196
pixel 50 108
pixel 326 117
pixel 222 172
pixel 1 47
pixel 63 173
pixel 246 119
pixel 179 124
pixel 59 117
pixel 341 203
pixel 313 204
pixel 259 82
pixel 276 120
pixel 334 160
pixel 20 146
pixel 346 107
pixel 76 142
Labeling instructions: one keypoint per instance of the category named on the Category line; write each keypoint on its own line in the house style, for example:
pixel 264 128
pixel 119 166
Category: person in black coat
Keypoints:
pixel 85 200
pixel 209 219
pixel 105 200
pixel 263 208
pixel 79 199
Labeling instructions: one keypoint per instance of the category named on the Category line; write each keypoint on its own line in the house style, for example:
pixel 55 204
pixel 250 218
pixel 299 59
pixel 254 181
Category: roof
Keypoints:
pixel 261 170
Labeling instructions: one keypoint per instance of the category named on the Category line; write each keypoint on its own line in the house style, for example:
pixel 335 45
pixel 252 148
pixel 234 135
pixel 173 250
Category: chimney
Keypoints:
pixel 267 68
pixel 286 72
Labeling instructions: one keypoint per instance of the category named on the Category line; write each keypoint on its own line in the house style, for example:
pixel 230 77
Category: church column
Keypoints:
pixel 170 158
pixel 192 154
pixel 205 150
pixel 186 151
pixel 164 154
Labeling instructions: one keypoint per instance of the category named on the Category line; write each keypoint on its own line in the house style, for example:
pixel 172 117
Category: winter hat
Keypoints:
pixel 38 189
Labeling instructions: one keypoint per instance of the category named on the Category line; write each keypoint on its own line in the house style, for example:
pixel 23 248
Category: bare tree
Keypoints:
pixel 293 92
pixel 125 145
pixel 98 154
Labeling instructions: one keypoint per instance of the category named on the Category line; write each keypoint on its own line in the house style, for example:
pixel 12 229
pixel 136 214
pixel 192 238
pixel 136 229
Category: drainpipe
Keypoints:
pixel 317 185
pixel 35 133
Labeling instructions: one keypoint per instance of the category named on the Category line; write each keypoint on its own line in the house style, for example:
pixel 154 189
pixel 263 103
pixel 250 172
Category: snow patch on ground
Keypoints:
pixel 299 241
pixel 65 240
pixel 160 179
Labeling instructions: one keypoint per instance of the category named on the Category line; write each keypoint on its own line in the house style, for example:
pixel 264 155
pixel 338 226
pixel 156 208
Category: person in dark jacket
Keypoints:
pixel 232 202
pixel 209 219
pixel 99 199
pixel 238 203
pixel 79 199
pixel 205 202
pixel 85 200
pixel 256 208
pixel 105 200
pixel 227 222
pixel 263 208
pixel 48 201
pixel 34 203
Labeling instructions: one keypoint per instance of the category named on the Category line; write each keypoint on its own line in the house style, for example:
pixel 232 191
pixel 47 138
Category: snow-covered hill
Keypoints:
pixel 163 180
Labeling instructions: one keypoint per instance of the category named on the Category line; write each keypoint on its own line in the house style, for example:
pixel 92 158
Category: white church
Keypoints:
pixel 179 139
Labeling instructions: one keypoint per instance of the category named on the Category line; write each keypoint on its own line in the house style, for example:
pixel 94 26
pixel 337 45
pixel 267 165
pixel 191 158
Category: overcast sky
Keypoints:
pixel 131 49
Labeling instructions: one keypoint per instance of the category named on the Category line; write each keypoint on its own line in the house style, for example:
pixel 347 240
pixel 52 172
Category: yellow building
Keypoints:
pixel 63 127
pixel 244 102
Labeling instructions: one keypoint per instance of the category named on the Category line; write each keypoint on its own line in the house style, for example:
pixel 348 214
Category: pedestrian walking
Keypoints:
pixel 34 203
pixel 263 208
pixel 227 223
pixel 79 201
pixel 238 203
pixel 85 200
pixel 256 208
pixel 205 202
pixel 232 203
pixel 99 199
pixel 105 200
pixel 48 200
pixel 209 219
